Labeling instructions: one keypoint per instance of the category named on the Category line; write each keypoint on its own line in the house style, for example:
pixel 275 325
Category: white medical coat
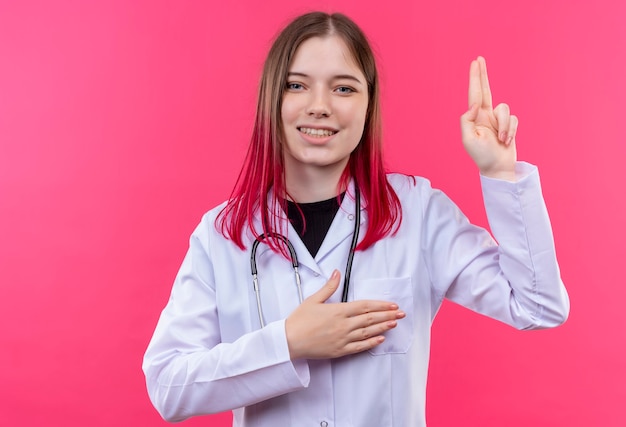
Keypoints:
pixel 209 354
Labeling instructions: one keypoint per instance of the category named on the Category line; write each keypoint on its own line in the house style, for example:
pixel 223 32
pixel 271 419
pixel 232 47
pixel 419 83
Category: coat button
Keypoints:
pixel 324 424
pixel 350 217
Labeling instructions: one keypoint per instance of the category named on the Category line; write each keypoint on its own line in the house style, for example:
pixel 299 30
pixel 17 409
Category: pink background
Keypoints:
pixel 122 122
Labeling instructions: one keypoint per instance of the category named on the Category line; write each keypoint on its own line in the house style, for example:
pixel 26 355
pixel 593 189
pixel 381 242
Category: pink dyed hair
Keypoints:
pixel 263 168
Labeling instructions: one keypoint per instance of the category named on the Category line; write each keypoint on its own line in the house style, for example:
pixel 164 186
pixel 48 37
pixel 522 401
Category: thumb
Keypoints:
pixel 328 289
pixel 470 115
pixel 467 122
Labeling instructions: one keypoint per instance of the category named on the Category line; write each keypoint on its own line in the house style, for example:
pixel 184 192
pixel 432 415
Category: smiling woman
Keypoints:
pixel 282 355
pixel 323 117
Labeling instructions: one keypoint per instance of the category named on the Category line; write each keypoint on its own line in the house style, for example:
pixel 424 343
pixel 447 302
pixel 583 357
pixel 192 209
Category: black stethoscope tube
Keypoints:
pixel 294 259
pixel 355 240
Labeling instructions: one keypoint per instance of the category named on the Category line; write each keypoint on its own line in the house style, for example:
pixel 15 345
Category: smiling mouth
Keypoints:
pixel 320 133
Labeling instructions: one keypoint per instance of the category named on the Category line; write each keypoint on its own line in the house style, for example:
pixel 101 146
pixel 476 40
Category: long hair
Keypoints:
pixel 263 168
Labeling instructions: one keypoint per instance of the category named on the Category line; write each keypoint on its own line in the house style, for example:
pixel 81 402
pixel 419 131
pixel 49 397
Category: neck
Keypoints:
pixel 309 184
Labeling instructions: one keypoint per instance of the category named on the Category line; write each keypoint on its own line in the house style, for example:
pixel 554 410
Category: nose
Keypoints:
pixel 319 104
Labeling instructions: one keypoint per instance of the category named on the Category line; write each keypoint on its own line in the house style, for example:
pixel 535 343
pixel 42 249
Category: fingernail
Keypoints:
pixel 400 314
pixel 335 274
pixel 393 306
pixel 392 324
pixel 503 136
pixel 509 141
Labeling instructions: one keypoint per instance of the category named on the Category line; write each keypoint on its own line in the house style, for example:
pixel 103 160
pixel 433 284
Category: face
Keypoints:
pixel 324 107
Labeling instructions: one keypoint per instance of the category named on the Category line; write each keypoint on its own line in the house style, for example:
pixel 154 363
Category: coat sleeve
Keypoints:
pixel 190 371
pixel 515 280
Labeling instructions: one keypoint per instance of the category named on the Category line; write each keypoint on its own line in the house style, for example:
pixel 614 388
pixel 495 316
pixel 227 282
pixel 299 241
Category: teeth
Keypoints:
pixel 317 132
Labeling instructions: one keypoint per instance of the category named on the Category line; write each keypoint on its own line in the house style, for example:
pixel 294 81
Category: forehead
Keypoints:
pixel 325 56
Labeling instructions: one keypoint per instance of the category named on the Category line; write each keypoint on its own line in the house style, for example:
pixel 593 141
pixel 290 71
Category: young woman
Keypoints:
pixel 241 332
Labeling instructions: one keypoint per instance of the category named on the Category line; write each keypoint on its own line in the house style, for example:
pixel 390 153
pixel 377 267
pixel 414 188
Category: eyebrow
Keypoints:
pixel 337 77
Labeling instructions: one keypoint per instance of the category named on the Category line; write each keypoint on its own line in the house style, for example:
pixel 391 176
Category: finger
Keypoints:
pixel 373 324
pixel 513 123
pixel 475 94
pixel 363 345
pixel 471 114
pixel 484 83
pixel 503 117
pixel 371 331
pixel 361 307
pixel 375 318
pixel 468 126
pixel 328 289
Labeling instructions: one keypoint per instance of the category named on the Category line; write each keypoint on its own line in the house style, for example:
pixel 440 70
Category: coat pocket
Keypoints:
pixel 400 291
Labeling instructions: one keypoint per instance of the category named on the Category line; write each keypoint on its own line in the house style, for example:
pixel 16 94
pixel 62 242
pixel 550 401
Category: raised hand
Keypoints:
pixel 488 133
pixel 319 330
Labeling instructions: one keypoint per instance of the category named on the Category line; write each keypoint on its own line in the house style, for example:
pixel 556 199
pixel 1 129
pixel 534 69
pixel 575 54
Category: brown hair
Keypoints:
pixel 263 167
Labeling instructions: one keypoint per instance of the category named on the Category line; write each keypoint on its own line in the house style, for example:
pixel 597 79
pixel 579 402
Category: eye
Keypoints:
pixel 345 90
pixel 294 86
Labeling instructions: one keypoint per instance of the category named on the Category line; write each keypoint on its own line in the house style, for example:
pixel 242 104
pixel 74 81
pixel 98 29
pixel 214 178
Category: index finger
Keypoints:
pixel 475 87
pixel 484 83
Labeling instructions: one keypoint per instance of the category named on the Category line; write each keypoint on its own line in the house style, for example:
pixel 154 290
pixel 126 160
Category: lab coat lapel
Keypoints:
pixel 342 227
pixel 304 256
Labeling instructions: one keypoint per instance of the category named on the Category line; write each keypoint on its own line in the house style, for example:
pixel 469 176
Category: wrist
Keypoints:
pixel 508 175
pixel 291 346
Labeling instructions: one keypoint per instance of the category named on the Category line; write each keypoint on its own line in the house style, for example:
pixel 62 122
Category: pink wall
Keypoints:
pixel 122 122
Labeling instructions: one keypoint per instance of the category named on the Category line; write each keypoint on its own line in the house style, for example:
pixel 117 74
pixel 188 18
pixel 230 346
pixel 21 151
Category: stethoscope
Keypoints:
pixel 294 259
